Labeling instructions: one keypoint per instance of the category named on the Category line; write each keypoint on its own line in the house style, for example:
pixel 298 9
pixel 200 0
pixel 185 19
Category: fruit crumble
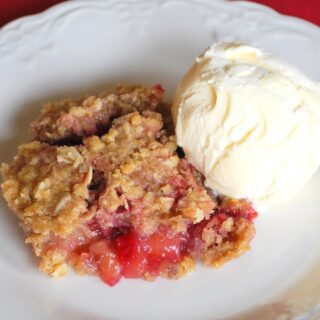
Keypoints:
pixel 103 189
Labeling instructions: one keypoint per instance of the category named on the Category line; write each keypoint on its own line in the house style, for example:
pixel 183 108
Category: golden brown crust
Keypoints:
pixel 240 233
pixel 72 119
pixel 47 187
pixel 140 163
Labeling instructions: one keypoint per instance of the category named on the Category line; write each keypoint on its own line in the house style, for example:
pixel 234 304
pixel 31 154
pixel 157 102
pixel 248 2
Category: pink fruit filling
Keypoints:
pixel 125 253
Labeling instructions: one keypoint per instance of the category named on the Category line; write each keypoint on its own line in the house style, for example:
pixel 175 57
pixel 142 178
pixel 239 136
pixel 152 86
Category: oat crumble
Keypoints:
pixel 118 203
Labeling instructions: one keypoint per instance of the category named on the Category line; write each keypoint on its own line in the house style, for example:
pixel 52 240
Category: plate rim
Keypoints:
pixel 16 27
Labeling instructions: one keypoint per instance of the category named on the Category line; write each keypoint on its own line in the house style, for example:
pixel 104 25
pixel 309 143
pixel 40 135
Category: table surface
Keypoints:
pixel 305 9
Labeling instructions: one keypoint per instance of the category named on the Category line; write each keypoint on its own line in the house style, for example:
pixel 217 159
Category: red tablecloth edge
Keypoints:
pixel 305 9
pixel 13 9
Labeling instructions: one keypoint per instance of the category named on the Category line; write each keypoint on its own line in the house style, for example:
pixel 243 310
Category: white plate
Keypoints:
pixel 82 45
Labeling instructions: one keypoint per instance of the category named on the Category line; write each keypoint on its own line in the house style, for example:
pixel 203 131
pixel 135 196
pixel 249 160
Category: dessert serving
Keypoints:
pixel 113 186
pixel 103 189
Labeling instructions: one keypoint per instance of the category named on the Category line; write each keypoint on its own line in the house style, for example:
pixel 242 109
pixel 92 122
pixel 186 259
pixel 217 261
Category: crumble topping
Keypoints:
pixel 75 119
pixel 123 203
pixel 47 187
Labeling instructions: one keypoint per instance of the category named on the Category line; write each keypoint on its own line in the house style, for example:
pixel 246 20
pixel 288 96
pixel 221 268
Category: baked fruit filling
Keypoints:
pixel 122 203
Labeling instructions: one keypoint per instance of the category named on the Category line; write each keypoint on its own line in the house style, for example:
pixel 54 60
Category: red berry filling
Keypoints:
pixel 125 253
pixel 130 255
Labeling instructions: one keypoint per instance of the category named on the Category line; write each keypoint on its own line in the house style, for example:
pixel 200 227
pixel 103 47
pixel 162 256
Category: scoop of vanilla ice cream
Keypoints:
pixel 249 122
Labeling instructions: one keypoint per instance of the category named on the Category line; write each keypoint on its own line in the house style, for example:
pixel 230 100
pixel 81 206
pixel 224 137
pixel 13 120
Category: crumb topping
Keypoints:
pixel 75 119
pixel 120 202
pixel 47 187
